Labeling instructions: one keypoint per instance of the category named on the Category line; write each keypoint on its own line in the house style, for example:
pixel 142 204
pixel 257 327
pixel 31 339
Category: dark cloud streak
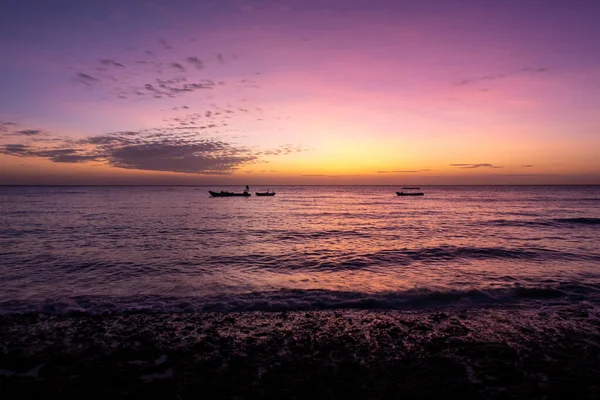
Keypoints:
pixel 85 79
pixel 159 149
pixel 473 166
pixel 403 171
pixel 178 67
pixel 27 132
pixel 4 125
pixel 110 63
pixel 493 77
pixel 196 62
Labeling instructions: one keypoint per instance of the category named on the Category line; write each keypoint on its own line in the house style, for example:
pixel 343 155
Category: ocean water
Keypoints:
pixel 172 249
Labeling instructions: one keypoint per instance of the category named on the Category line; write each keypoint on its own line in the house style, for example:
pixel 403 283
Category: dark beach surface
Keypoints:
pixel 508 352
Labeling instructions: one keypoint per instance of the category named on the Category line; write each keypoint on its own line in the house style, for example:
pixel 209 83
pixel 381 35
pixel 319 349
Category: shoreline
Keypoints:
pixel 469 353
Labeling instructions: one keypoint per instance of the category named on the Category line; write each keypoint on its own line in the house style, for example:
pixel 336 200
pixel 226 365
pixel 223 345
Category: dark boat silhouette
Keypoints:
pixel 267 193
pixel 410 192
pixel 228 194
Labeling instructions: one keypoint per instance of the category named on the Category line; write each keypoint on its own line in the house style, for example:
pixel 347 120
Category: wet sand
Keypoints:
pixel 483 354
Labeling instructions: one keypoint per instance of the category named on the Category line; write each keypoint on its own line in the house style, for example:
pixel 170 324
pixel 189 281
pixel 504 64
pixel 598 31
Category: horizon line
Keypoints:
pixel 273 185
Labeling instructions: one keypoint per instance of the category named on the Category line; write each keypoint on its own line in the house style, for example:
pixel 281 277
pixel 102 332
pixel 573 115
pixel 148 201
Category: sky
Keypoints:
pixel 262 92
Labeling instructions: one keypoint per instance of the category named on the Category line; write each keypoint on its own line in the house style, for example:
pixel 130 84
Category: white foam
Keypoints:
pixel 32 373
pixel 151 377
pixel 261 371
pixel 471 376
pixel 160 360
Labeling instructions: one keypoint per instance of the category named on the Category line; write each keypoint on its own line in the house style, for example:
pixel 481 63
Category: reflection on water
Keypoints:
pixel 60 242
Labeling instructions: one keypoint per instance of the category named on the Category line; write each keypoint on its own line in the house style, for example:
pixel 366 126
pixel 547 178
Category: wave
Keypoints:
pixel 583 221
pixel 331 260
pixel 446 253
pixel 554 222
pixel 315 299
pixel 333 233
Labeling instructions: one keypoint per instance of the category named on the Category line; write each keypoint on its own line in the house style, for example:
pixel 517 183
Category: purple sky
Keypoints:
pixel 277 92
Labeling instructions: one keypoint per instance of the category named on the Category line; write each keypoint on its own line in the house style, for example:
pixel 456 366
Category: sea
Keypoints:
pixel 166 249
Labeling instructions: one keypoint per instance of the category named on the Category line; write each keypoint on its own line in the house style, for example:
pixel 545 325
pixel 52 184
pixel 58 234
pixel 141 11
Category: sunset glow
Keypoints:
pixel 300 92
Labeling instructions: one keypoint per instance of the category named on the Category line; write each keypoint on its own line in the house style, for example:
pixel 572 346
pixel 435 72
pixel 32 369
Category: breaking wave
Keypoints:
pixel 301 300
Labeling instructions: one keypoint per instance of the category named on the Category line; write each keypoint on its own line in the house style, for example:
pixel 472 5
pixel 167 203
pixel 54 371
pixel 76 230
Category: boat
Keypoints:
pixel 267 193
pixel 228 194
pixel 410 192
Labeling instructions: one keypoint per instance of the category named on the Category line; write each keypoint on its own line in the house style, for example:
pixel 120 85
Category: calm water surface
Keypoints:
pixel 176 248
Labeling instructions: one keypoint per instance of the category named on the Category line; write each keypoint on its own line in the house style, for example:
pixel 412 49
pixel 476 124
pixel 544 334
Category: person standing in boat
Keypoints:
pixel 247 189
